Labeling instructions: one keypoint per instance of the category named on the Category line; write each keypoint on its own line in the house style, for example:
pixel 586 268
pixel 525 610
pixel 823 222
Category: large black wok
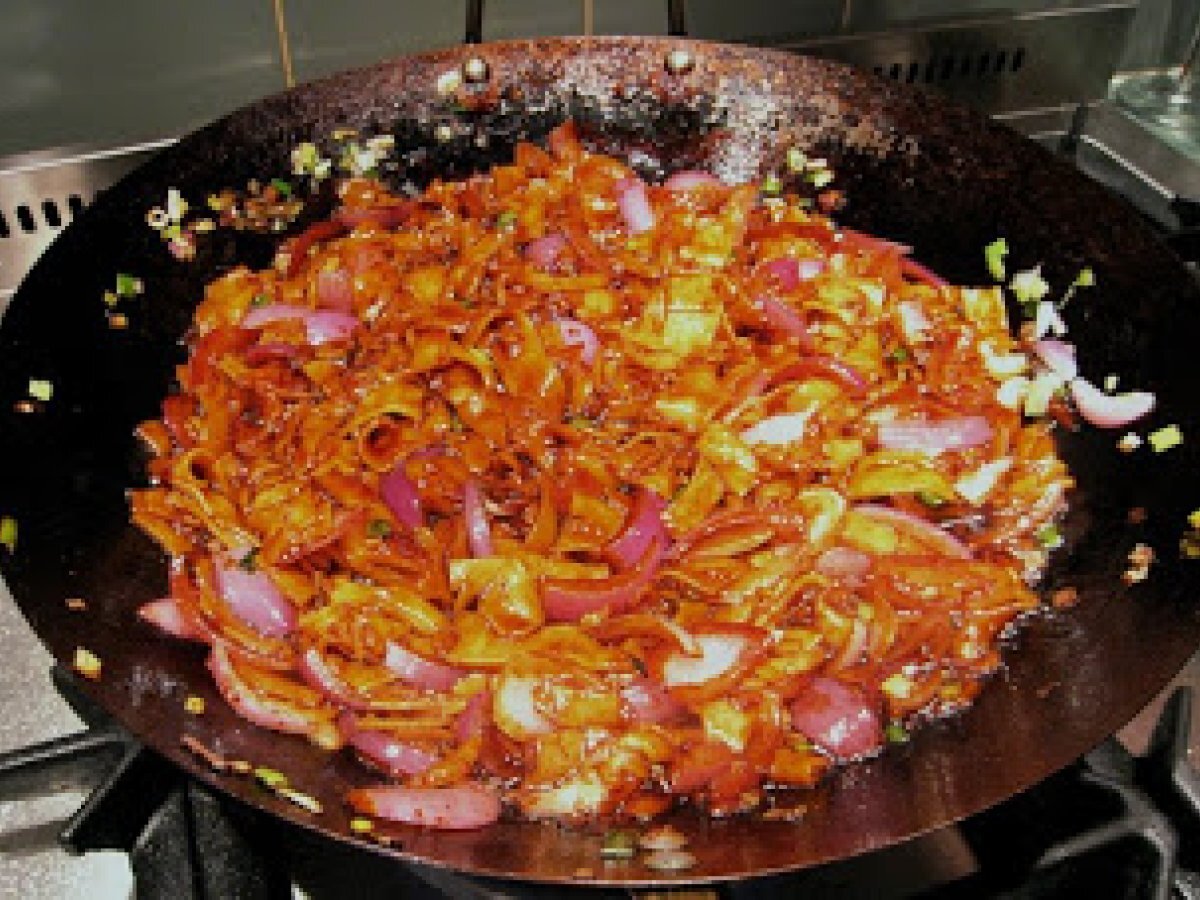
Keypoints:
pixel 914 167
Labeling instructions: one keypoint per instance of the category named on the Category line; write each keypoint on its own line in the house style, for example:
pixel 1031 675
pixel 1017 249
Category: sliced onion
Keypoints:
pixel 320 326
pixel 852 651
pixel 913 321
pixel 479 532
pixel 649 703
pixel 690 180
pixel 515 709
pixel 400 495
pixel 419 671
pixel 938 539
pixel 719 653
pixel 910 268
pixel 1059 357
pixel 545 251
pixel 577 334
pixel 1047 320
pixel 1109 410
pixel 933 438
pixel 845 564
pixel 326 325
pixel 318 673
pixel 474 717
pixel 254 707
pixel 837 718
pixel 449 808
pixel 335 290
pixel 634 204
pixel 169 617
pixel 783 317
pixel 254 599
pixel 387 216
pixel 645 525
pixel 569 600
pixel 790 272
pixel 785 428
pixel 823 367
pixel 396 758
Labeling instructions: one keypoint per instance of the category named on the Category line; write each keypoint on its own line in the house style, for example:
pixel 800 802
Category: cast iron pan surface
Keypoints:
pixel 915 168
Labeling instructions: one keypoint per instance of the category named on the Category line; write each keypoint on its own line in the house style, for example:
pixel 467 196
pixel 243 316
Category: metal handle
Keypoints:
pixel 65 763
pixel 676 18
pixel 473 33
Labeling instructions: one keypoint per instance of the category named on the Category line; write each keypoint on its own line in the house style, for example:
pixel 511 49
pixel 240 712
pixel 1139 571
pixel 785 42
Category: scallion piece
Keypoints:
pixel 41 389
pixel 260 300
pixel 8 533
pixel 270 778
pixel 128 285
pixel 772 185
pixel 994 254
pixel 1165 438
pixel 929 498
pixel 896 733
pixel 1049 536
pixel 619 844
pixel 379 528
pixel 506 219
pixel 283 188
pixel 249 562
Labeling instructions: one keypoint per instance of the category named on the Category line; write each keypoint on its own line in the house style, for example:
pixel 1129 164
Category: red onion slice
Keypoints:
pixel 419 671
pixel 168 616
pixel 577 334
pixel 253 598
pixel 451 809
pixel 719 652
pixel 649 703
pixel 320 326
pixel 252 706
pixel 400 495
pixel 690 180
pixel 912 269
pixel 335 290
pixel 838 719
pixel 383 750
pixel 1059 357
pixel 645 525
pixel 479 532
pixel 782 317
pixel 569 600
pixel 845 564
pixel 474 717
pixel 937 437
pixel 319 674
pixel 1109 410
pixel 938 539
pixel 634 204
pixel 545 251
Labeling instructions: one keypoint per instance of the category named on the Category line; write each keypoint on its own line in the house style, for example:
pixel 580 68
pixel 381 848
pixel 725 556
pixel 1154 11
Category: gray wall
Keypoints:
pixel 87 72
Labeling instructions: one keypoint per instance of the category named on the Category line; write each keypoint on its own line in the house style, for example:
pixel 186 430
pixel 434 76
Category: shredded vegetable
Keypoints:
pixel 589 496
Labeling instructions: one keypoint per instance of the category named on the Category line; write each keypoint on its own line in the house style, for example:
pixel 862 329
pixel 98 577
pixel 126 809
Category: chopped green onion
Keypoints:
pixel 249 562
pixel 929 498
pixel 379 528
pixel 772 185
pixel 896 733
pixel 271 778
pixel 994 254
pixel 110 298
pixel 283 188
pixel 1029 286
pixel 260 300
pixel 899 355
pixel 619 843
pixel 1165 438
pixel 506 219
pixel 820 177
pixel 128 285
pixel 8 533
pixel 361 826
pixel 1085 278
pixel 1049 536
pixel 796 160
pixel 41 389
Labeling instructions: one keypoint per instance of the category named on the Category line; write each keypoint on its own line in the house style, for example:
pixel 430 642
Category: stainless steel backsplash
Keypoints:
pixel 78 72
